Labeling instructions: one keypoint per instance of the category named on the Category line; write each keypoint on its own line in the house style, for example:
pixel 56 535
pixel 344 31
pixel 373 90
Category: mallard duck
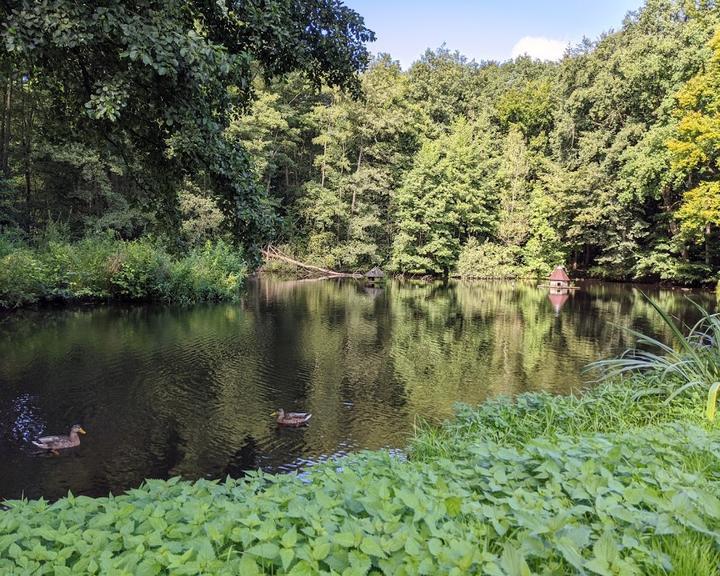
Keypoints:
pixel 55 443
pixel 291 418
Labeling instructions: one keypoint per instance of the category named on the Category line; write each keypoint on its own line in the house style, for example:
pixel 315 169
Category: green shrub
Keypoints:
pixel 62 265
pixel 92 277
pixel 320 250
pixel 79 270
pixel 139 270
pixel 489 260
pixel 202 219
pixel 209 273
pixel 595 504
pixel 101 268
pixel 23 279
pixel 8 244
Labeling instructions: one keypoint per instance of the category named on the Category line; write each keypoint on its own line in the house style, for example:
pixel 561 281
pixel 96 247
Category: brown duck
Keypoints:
pixel 291 418
pixel 55 443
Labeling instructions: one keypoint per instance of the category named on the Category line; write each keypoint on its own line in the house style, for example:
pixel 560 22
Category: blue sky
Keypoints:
pixel 487 29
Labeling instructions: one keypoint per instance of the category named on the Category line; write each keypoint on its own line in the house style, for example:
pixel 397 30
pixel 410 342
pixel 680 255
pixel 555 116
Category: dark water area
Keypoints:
pixel 165 391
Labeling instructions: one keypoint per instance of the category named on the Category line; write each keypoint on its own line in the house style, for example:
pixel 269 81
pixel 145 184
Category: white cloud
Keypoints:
pixel 539 47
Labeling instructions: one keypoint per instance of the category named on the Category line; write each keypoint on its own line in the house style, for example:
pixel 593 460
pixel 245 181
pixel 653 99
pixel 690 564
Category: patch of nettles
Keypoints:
pixel 593 504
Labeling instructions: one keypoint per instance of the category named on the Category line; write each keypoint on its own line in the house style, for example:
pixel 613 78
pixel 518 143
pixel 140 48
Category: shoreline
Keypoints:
pixel 61 303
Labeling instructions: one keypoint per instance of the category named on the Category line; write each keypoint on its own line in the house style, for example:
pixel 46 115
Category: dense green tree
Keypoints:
pixel 445 199
pixel 152 83
pixel 363 148
pixel 572 156
pixel 443 84
pixel 514 191
pixel 617 98
pixel 695 151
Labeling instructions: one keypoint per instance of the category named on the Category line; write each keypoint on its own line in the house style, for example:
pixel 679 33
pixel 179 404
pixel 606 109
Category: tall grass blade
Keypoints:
pixel 688 361
pixel 711 408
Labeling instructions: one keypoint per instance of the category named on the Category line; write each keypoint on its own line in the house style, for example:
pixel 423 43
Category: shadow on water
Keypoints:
pixel 168 391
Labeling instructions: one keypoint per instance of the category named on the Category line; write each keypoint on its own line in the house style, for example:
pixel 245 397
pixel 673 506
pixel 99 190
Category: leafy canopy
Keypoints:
pixel 153 82
pixel 695 148
pixel 443 201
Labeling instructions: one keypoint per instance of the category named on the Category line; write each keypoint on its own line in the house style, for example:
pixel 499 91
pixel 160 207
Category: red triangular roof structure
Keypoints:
pixel 559 274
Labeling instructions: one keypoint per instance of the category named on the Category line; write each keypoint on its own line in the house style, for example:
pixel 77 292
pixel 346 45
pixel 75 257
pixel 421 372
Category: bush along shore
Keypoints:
pixel 106 269
pixel 606 483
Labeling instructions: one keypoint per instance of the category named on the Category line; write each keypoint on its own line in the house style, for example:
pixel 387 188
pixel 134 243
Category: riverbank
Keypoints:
pixel 103 269
pixel 579 278
pixel 605 483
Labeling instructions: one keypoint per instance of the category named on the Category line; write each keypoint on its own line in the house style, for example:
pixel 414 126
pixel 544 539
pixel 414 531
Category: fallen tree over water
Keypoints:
pixel 273 253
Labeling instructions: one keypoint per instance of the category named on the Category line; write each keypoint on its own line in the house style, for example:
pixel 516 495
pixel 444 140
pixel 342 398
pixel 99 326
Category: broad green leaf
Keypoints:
pixel 711 407
pixel 371 547
pixel 513 562
pixel 289 538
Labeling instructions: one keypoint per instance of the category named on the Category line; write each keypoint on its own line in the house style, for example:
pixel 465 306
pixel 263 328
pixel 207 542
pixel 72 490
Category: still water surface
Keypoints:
pixel 168 391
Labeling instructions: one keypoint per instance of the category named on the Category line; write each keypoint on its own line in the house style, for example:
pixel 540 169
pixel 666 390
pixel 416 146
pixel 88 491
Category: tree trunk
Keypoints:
pixel 2 132
pixel 445 274
pixel 6 129
pixel 707 244
pixel 354 193
pixel 271 253
pixel 322 169
pixel 27 113
pixel 668 207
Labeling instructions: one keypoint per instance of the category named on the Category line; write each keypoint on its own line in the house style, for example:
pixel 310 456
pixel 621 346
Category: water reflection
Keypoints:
pixel 558 297
pixel 171 391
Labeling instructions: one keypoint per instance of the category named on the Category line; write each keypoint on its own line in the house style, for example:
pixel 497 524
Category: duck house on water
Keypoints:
pixel 375 276
pixel 559 278
pixel 559 282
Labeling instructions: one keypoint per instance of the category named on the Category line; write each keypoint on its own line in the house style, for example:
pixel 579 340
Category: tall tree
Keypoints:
pixel 364 146
pixel 695 151
pixel 514 191
pixel 444 200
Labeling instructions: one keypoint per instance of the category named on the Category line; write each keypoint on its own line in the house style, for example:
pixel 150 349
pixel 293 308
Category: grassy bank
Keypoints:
pixel 106 269
pixel 609 408
pixel 545 485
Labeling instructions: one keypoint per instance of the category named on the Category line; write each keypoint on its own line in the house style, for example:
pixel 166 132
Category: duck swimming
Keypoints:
pixel 55 443
pixel 291 418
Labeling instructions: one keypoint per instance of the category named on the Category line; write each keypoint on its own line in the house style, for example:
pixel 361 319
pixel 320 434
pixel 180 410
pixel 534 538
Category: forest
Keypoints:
pixel 184 124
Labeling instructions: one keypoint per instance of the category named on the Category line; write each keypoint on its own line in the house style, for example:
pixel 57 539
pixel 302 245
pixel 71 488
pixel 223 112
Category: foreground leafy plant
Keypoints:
pixel 692 360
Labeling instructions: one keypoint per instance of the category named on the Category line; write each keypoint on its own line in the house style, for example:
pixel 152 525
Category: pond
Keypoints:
pixel 167 391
